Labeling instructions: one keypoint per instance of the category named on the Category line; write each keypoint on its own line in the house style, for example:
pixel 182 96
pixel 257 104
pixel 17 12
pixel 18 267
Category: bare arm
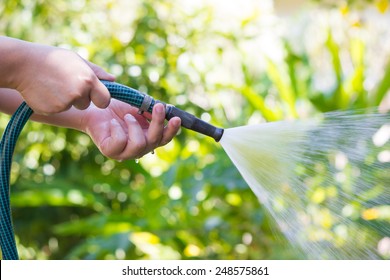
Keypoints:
pixel 51 79
pixel 118 131
pixel 10 100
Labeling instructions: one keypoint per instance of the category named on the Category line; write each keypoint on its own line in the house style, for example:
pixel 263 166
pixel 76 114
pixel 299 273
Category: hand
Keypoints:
pixel 52 79
pixel 121 133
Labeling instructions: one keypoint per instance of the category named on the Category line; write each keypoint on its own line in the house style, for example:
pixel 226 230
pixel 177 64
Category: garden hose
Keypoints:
pixel 7 145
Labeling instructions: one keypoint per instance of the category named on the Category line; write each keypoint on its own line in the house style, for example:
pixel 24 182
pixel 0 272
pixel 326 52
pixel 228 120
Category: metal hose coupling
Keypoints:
pixel 191 122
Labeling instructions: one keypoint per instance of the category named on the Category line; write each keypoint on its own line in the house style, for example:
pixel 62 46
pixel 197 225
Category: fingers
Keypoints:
pixel 170 130
pixel 94 90
pixel 114 145
pixel 157 134
pixel 137 144
pixel 100 73
pixel 156 128
pixel 100 96
pixel 122 145
pixel 84 101
pixel 129 138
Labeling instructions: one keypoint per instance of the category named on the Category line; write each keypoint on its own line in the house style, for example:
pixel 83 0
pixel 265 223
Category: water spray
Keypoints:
pixel 135 98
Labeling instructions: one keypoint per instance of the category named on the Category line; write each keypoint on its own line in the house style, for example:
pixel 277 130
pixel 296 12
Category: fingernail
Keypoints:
pixel 177 122
pixel 114 122
pixel 112 77
pixel 159 109
pixel 129 118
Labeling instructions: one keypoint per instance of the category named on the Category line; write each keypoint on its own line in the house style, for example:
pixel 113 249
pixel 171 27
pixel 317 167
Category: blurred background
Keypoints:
pixel 228 62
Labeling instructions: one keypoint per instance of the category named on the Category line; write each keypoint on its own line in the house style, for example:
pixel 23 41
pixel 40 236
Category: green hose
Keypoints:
pixel 7 147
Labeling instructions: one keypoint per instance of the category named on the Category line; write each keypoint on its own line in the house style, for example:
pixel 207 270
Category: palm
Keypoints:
pixel 98 123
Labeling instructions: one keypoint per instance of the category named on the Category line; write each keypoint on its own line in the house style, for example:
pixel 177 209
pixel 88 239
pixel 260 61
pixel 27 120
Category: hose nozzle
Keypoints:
pixel 145 103
pixel 191 122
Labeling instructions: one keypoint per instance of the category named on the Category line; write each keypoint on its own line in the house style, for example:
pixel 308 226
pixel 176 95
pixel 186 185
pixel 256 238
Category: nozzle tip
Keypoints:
pixel 218 134
pixel 191 122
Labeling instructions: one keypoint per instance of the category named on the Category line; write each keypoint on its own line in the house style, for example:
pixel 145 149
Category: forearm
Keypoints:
pixel 13 53
pixel 10 100
pixel 51 79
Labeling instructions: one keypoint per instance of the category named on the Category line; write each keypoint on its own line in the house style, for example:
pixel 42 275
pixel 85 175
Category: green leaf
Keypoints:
pixel 283 86
pixel 383 87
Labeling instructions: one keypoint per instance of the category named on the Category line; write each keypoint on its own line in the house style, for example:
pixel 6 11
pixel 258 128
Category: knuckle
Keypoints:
pixel 127 155
pixel 57 106
pixel 72 97
pixel 115 157
pixel 165 141
pixel 120 139
pixel 155 141
pixel 89 78
pixel 79 99
pixel 103 103
pixel 81 106
pixel 100 97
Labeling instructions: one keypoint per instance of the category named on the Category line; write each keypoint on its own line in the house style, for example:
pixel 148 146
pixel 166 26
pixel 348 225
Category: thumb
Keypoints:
pixel 100 96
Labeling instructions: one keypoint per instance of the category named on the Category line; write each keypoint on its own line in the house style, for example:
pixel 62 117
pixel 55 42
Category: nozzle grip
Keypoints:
pixel 191 122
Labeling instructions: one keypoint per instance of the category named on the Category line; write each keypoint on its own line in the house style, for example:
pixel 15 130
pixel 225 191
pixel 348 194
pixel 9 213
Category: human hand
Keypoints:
pixel 121 133
pixel 52 79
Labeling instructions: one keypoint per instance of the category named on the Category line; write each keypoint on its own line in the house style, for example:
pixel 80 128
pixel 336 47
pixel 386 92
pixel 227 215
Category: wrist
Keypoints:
pixel 72 118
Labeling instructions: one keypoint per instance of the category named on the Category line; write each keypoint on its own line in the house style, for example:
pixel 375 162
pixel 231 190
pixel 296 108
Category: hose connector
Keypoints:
pixel 191 122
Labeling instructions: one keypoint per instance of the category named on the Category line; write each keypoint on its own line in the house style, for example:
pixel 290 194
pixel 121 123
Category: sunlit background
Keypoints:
pixel 230 63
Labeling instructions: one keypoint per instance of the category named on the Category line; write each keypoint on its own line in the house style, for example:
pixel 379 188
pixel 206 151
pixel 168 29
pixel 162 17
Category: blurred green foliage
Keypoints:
pixel 188 200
